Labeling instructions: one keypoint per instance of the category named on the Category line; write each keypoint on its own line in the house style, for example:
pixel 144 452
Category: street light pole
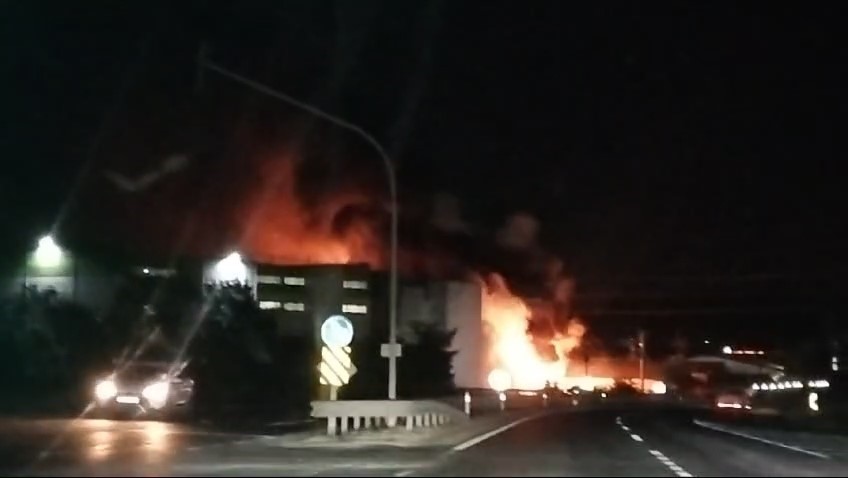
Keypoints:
pixel 642 360
pixel 204 63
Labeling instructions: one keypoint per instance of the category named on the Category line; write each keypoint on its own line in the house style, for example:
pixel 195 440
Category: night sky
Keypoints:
pixel 668 152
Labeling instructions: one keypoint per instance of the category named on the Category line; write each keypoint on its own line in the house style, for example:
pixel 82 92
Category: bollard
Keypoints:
pixel 502 399
pixel 467 400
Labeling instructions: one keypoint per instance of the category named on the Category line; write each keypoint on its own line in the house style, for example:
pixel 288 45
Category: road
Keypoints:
pixel 608 442
pixel 108 447
pixel 628 443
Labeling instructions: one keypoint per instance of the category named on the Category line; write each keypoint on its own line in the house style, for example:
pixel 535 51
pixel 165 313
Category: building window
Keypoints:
pixel 355 284
pixel 269 280
pixel 294 306
pixel 354 309
pixel 294 281
pixel 269 304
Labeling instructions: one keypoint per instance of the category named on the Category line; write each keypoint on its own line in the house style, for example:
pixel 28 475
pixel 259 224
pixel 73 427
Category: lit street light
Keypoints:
pixel 205 64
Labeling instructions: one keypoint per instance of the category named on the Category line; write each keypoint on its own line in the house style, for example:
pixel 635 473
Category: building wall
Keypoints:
pixel 302 297
pixel 464 314
pixel 454 306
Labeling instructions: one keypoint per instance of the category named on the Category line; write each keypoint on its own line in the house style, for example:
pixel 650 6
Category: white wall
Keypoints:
pixel 464 314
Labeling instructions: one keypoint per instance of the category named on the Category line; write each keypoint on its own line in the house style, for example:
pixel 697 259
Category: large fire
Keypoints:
pixel 283 227
pixel 513 350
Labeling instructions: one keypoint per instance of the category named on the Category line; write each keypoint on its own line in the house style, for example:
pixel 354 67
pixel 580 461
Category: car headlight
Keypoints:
pixel 105 389
pixel 156 394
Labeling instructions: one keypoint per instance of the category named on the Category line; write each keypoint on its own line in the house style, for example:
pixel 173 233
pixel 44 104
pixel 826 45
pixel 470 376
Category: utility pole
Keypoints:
pixel 641 344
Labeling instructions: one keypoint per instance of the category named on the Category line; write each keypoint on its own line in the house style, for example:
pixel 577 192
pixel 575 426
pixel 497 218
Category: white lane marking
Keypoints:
pixel 474 441
pixel 719 428
pixel 404 473
pixel 668 463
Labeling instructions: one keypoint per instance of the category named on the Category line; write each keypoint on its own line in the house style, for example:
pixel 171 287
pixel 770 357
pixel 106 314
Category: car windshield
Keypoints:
pixel 142 371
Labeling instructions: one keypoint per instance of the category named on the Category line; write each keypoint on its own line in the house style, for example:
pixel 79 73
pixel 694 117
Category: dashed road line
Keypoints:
pixel 666 461
pixel 719 428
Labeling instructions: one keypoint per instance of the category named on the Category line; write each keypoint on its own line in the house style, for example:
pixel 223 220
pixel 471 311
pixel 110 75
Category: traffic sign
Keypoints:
pixel 335 368
pixel 337 331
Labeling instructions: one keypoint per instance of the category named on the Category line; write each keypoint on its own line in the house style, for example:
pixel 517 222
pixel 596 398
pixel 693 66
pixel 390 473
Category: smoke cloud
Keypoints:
pixel 447 215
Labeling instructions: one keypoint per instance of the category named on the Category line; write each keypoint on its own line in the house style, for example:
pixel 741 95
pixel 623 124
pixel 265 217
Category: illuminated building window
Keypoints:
pixel 354 309
pixel 269 280
pixel 294 281
pixel 269 304
pixel 355 284
pixel 294 306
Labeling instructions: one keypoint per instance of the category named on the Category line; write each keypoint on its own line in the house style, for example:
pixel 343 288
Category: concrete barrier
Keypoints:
pixel 344 415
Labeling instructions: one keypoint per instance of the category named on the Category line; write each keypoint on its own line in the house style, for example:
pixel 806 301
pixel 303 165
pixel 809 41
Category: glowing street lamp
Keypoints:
pixel 48 254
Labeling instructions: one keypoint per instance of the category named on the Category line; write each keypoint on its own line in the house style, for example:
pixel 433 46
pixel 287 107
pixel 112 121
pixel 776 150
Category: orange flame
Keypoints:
pixel 282 228
pixel 511 346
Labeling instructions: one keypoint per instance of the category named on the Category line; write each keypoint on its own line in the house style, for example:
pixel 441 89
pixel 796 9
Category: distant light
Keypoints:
pixel 834 363
pixel 603 394
pixel 755 386
pixel 48 253
pixel 706 342
pixel 502 397
pixel 727 349
pixel 146 270
pixel 813 401
pixel 500 380
pixel 729 405
pixel 772 386
pixel 658 388
pixel 231 268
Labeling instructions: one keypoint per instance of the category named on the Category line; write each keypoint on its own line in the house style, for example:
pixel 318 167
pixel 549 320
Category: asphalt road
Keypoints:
pixel 94 447
pixel 628 443
pixel 624 442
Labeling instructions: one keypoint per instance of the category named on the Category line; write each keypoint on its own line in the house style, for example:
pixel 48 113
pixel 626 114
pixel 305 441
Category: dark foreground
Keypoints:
pixel 608 442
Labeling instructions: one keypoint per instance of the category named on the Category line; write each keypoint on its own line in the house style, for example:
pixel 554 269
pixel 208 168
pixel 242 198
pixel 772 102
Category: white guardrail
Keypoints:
pixel 344 415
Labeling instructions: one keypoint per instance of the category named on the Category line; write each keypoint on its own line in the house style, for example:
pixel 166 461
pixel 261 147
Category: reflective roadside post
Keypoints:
pixel 502 400
pixel 467 400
